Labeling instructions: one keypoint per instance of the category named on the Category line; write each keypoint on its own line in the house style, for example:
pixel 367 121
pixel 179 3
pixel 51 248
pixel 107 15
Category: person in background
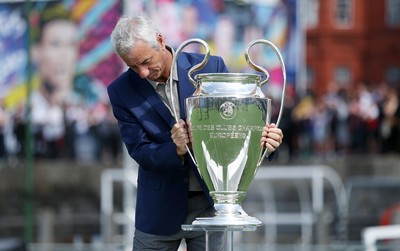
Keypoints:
pixel 4 118
pixel 170 191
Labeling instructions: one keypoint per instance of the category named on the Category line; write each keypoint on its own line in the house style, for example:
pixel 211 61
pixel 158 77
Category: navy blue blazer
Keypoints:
pixel 145 124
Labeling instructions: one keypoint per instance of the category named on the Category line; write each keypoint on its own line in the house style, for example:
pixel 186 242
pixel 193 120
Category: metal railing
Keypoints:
pixel 111 219
pixel 311 206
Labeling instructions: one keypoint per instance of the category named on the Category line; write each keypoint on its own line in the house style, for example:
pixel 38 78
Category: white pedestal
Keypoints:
pixel 228 230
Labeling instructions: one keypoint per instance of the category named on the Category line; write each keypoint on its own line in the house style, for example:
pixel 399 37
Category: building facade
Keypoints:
pixel 350 42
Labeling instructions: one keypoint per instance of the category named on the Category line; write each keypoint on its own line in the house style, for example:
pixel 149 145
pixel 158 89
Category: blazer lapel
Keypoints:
pixel 150 95
pixel 185 89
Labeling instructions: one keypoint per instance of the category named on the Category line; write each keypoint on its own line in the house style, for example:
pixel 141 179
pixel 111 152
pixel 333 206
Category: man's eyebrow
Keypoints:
pixel 146 59
pixel 139 62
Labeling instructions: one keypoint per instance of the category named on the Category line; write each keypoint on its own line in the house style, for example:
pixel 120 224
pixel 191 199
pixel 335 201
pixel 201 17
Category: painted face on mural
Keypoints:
pixel 56 55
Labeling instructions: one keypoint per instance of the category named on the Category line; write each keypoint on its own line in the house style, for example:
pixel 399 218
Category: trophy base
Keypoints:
pixel 227 215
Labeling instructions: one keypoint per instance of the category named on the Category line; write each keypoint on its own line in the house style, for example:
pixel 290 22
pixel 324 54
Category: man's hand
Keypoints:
pixel 271 137
pixel 180 137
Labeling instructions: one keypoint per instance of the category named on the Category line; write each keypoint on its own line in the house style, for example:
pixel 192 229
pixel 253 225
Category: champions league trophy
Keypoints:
pixel 226 115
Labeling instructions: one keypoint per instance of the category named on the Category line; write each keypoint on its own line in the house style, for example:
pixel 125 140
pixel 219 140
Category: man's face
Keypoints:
pixel 149 62
pixel 57 54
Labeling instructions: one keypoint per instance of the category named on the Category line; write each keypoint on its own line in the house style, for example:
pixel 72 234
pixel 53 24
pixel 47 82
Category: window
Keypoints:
pixel 344 13
pixel 393 13
pixel 311 13
pixel 342 75
pixel 393 75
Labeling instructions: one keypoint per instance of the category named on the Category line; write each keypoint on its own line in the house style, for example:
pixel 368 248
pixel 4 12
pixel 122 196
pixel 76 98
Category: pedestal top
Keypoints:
pixel 246 228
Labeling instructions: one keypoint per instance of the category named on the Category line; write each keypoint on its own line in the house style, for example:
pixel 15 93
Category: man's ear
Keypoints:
pixel 160 40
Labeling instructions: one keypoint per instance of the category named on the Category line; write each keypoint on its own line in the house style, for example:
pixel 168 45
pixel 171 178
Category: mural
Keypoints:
pixel 228 27
pixel 86 58
pixel 73 62
pixel 13 47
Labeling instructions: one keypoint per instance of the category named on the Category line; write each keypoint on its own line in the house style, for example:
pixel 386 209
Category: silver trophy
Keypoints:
pixel 226 116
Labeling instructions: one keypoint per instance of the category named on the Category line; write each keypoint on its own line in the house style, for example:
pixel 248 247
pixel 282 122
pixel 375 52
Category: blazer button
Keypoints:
pixel 186 180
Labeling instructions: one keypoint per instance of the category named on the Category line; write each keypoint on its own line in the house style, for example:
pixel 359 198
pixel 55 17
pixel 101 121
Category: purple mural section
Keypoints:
pixel 13 44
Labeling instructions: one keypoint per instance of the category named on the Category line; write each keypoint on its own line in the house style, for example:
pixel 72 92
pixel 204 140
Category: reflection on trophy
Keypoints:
pixel 226 116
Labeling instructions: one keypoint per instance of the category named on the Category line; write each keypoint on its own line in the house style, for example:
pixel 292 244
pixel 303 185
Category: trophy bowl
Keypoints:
pixel 226 120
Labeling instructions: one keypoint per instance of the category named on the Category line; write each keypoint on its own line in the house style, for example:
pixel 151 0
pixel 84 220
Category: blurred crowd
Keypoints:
pixel 74 131
pixel 360 120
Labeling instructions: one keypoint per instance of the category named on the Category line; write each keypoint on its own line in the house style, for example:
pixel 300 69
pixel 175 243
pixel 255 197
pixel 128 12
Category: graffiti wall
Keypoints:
pixel 228 27
pixel 71 53
pixel 72 61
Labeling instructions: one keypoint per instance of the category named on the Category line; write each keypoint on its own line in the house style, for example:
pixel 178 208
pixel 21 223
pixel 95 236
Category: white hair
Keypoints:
pixel 129 30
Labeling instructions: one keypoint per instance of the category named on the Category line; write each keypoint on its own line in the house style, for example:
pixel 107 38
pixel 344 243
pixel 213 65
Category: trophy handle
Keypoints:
pixel 193 69
pixel 261 69
pixel 197 66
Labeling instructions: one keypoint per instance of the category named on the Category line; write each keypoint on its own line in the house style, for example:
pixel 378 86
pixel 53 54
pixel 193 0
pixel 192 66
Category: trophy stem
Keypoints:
pixel 227 197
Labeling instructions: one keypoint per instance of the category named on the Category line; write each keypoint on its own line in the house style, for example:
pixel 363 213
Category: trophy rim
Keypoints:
pixel 228 77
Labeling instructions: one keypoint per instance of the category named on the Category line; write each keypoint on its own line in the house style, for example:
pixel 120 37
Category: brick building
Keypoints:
pixel 351 42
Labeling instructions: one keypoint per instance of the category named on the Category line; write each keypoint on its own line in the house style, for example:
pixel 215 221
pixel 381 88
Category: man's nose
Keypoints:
pixel 143 71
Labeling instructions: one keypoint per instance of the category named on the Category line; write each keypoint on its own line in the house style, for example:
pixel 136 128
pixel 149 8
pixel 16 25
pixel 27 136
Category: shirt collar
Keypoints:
pixel 175 73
